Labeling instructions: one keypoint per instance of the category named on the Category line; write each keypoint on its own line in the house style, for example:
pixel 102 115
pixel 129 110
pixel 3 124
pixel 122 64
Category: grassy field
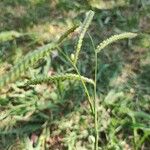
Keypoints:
pixel 64 90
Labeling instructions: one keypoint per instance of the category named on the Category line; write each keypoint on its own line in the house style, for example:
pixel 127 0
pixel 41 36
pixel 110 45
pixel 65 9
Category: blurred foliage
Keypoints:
pixel 107 4
pixel 56 116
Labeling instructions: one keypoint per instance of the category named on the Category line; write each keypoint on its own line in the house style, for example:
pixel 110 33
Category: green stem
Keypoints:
pixel 95 98
pixel 95 106
pixel 83 83
pixel 85 88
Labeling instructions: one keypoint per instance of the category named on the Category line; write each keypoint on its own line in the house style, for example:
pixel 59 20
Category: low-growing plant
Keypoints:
pixel 32 58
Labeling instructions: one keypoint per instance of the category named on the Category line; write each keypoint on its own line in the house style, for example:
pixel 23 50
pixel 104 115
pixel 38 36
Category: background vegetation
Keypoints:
pixel 57 116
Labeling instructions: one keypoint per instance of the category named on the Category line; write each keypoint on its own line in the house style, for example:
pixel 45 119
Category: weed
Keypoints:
pixel 46 110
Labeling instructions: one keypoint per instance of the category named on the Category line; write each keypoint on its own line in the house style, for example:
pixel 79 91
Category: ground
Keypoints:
pixel 57 116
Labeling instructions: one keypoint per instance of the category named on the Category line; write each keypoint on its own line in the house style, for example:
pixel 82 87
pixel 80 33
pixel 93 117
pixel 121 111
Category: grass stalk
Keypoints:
pixel 95 98
pixel 83 82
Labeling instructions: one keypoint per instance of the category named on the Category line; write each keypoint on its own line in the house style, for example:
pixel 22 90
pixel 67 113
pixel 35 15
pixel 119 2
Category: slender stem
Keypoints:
pixel 83 83
pixel 86 90
pixel 60 91
pixel 95 98
pixel 95 106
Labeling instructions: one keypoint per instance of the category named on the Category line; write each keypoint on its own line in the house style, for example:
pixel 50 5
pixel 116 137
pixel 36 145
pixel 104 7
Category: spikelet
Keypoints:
pixel 30 59
pixel 9 35
pixel 61 77
pixel 63 37
pixel 85 25
pixel 114 38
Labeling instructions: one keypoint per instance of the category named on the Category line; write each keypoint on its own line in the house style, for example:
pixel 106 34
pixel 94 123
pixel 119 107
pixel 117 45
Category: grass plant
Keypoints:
pixel 84 94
